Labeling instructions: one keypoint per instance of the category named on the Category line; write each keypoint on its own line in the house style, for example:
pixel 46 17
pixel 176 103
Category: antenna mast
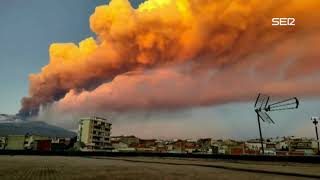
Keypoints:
pixel 261 107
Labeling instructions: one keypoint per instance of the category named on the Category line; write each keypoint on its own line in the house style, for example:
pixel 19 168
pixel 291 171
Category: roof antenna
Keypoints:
pixel 261 107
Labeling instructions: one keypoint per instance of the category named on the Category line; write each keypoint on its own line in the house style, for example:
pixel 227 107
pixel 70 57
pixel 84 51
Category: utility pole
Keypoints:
pixel 261 139
pixel 315 122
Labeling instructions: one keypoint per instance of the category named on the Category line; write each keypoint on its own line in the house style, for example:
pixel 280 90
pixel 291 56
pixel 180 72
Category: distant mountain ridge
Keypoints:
pixel 9 118
pixel 13 125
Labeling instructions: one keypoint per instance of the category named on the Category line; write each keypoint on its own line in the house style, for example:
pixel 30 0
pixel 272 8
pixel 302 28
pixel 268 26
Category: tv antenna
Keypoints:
pixel 262 106
pixel 315 121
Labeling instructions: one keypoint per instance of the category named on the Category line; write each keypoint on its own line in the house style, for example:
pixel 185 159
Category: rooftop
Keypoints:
pixel 95 118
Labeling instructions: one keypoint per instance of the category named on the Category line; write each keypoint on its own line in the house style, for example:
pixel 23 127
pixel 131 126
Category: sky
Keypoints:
pixel 26 31
pixel 29 27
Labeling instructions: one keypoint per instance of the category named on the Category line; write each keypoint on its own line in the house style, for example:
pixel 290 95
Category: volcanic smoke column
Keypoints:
pixel 162 52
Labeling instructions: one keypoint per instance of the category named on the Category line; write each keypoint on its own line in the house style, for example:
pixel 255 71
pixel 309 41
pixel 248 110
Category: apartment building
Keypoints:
pixel 94 133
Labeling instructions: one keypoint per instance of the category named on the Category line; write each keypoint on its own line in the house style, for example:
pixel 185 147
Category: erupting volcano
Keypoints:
pixel 170 54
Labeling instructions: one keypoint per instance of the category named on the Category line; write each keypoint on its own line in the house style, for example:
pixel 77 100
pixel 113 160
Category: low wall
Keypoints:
pixel 300 159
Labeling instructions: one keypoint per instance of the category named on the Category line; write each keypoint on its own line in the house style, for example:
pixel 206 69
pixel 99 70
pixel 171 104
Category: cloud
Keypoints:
pixel 180 54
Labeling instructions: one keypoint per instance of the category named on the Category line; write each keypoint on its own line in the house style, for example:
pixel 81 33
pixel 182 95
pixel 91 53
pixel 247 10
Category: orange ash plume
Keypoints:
pixel 164 51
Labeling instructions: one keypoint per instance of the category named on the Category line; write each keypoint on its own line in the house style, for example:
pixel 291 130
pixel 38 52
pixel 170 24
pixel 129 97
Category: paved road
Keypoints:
pixel 89 168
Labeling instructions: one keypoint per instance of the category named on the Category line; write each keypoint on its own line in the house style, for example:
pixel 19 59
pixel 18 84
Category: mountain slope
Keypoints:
pixel 33 127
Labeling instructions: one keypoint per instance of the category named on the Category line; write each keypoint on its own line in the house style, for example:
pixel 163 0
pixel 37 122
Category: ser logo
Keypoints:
pixel 283 21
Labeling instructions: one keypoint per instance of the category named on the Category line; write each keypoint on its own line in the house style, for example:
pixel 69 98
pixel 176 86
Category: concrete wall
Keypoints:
pixel 30 142
pixel 3 142
pixel 15 142
pixel 85 132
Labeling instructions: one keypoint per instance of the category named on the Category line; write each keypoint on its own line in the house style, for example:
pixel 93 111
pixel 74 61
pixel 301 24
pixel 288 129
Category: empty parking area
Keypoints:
pixel 86 168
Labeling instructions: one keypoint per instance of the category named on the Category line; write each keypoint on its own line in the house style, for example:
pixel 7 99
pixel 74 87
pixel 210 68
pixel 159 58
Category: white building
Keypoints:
pixel 255 144
pixel 3 142
pixel 94 133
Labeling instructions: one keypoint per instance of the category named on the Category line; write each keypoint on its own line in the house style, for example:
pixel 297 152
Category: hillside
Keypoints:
pixel 33 127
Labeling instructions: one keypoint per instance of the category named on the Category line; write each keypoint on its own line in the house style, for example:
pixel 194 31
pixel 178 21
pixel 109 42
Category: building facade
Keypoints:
pixel 94 133
pixel 16 142
pixel 126 139
pixel 38 143
pixel 3 142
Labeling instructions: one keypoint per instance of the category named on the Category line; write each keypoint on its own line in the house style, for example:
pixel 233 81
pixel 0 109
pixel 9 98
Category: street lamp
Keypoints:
pixel 315 121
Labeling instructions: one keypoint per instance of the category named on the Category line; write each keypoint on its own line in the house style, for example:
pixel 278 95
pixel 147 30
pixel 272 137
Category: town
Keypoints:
pixel 94 134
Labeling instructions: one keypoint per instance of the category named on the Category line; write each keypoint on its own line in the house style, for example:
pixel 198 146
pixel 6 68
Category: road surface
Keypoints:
pixel 94 168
